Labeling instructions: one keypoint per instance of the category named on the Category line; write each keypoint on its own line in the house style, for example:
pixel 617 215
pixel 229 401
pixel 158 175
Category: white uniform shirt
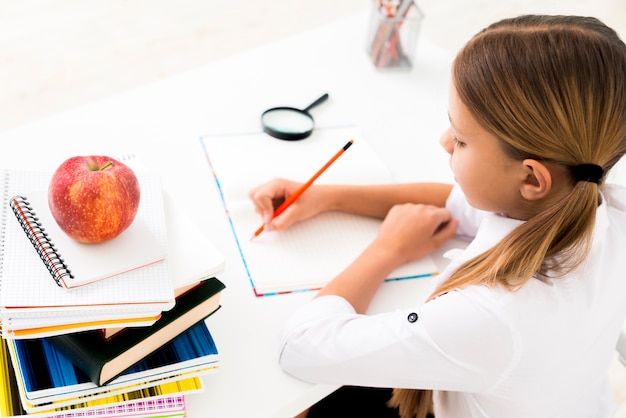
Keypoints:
pixel 541 351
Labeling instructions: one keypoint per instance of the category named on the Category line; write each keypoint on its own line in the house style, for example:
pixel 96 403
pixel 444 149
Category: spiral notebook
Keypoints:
pixel 28 290
pixel 72 264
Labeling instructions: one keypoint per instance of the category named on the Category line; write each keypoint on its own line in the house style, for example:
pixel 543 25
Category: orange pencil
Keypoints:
pixel 293 197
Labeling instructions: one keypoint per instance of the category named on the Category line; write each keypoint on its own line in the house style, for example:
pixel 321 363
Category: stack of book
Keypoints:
pixel 125 336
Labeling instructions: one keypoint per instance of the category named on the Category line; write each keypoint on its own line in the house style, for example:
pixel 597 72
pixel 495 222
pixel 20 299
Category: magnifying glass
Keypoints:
pixel 290 123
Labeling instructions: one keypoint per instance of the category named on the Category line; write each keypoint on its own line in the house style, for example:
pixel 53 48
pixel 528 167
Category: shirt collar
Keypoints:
pixel 495 227
pixel 492 230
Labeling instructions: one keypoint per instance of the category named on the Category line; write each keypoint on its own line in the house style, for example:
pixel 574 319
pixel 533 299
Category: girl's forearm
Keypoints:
pixel 361 279
pixel 377 200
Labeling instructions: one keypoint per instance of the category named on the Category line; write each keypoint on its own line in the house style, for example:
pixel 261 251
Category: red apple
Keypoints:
pixel 93 198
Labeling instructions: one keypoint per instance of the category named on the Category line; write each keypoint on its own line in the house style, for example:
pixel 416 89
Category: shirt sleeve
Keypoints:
pixel 469 217
pixel 446 344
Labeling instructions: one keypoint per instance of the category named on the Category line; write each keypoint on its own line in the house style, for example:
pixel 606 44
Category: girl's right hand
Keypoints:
pixel 269 196
pixel 411 231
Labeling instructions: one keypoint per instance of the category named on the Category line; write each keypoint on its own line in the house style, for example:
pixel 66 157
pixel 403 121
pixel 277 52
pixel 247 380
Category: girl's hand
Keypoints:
pixel 269 196
pixel 411 231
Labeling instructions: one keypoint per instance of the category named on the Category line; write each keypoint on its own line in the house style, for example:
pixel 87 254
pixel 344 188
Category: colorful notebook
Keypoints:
pixel 310 253
pixel 47 379
pixel 40 327
pixel 156 407
pixel 152 398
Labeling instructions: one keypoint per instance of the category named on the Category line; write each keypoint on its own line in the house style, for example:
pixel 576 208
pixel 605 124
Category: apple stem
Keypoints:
pixel 107 165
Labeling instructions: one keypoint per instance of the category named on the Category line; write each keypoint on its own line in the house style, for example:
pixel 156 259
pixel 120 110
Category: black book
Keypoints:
pixel 104 360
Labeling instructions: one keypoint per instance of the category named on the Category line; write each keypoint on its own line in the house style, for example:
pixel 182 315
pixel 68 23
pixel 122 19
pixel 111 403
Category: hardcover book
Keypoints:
pixel 103 360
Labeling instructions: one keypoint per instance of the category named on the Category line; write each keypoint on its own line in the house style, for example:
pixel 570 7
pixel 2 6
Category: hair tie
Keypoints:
pixel 588 172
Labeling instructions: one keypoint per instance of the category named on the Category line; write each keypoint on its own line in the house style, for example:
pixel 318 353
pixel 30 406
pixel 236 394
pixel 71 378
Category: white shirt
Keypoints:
pixel 541 351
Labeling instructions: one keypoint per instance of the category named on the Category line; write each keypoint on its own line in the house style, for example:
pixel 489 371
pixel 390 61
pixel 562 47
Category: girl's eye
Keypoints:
pixel 457 142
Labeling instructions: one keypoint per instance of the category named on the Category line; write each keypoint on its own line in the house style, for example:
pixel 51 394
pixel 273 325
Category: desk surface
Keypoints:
pixel 400 113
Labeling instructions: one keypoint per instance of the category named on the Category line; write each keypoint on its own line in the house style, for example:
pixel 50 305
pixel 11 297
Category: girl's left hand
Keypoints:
pixel 411 231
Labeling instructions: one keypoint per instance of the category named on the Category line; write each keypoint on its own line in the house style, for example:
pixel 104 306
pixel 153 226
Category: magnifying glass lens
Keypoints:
pixel 287 121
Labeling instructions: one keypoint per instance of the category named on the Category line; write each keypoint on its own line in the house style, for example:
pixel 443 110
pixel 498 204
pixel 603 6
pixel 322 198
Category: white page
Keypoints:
pixel 192 255
pixel 310 253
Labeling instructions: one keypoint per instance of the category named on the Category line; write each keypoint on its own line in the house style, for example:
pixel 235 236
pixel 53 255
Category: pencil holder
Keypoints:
pixel 392 33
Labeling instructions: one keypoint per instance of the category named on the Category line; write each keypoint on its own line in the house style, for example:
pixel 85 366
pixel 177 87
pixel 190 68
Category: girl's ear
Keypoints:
pixel 537 181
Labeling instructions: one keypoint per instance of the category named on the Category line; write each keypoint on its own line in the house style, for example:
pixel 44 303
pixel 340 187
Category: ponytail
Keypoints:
pixel 552 243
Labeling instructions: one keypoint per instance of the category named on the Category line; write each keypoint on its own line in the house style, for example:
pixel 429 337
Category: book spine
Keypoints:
pixel 39 238
pixel 90 363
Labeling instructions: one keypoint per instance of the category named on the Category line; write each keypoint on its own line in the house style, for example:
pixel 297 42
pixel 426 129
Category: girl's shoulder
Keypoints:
pixel 615 196
pixel 611 215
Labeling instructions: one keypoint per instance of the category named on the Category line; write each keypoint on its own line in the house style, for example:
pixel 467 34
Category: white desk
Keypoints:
pixel 401 113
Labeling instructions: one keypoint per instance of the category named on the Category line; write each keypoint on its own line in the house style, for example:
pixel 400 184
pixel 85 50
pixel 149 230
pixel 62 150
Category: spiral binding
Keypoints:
pixel 4 179
pixel 39 239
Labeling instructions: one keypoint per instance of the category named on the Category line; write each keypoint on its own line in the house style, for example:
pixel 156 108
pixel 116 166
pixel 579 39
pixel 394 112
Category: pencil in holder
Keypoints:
pixel 392 34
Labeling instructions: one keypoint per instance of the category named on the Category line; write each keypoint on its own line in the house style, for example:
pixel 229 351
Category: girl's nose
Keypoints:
pixel 446 140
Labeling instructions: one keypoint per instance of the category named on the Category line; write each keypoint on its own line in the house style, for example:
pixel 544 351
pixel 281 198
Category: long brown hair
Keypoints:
pixel 551 88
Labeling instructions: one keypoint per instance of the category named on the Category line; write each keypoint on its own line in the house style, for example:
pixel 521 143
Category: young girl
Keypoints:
pixel 524 321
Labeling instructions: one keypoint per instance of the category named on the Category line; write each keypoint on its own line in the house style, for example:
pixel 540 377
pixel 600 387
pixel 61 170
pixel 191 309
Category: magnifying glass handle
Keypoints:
pixel 315 103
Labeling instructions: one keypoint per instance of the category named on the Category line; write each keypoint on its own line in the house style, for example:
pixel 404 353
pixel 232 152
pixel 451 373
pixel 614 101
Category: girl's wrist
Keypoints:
pixel 329 198
pixel 386 254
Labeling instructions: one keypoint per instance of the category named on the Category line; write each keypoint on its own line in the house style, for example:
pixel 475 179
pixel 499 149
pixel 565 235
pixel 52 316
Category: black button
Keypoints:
pixel 412 317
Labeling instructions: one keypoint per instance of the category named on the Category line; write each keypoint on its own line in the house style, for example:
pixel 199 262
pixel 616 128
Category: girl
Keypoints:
pixel 524 321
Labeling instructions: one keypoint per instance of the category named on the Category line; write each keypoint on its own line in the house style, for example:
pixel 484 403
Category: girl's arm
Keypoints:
pixel 373 200
pixel 377 200
pixel 408 232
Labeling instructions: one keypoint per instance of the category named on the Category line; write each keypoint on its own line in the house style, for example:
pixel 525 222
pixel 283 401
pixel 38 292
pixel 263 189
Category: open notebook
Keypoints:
pixel 311 253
